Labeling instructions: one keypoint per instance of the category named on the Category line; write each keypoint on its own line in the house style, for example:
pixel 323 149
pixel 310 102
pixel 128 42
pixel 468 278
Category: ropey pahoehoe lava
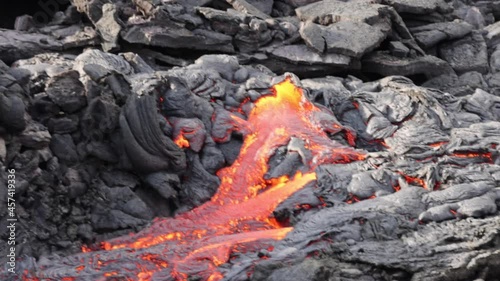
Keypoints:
pixel 239 217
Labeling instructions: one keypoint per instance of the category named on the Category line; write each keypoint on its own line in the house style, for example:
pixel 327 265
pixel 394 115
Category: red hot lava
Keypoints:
pixel 238 217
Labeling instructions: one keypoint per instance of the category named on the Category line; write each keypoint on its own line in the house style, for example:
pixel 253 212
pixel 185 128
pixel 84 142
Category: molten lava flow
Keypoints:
pixel 181 141
pixel 238 217
pixel 487 156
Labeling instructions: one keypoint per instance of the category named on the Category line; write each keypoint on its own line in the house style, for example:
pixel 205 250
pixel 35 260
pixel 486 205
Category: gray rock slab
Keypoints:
pixel 302 54
pixel 432 34
pixel 15 45
pixel 492 34
pixel 467 54
pixel 348 38
pixel 67 91
pixel 109 27
pixel 174 36
pixel 417 6
pixel 385 64
pixel 248 8
pixel 333 11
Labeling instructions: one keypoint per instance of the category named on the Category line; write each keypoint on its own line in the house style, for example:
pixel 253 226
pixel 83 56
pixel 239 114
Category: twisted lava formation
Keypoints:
pixel 237 218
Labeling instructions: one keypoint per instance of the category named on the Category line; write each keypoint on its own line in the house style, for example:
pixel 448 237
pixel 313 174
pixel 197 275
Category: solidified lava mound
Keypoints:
pixel 232 140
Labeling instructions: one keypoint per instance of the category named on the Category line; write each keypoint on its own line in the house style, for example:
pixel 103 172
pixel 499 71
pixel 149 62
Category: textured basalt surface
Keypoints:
pixel 119 112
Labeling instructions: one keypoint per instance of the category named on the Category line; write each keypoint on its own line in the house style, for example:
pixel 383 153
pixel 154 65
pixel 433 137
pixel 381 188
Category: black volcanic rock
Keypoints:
pixel 199 185
pixel 173 36
pixel 35 136
pixel 386 64
pixel 352 39
pixel 418 6
pixel 66 91
pixel 16 45
pixel 64 148
pixel 432 34
pixel 12 112
pixel 467 54
pixel 148 148
pixel 330 11
pixel 301 55
pixel 99 118
pixel 165 184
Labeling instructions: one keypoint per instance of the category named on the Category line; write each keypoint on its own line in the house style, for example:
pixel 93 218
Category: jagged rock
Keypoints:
pixel 492 34
pixel 152 55
pixel 12 111
pixel 92 8
pixel 467 54
pixel 495 61
pixel 265 6
pixel 418 6
pixel 468 83
pixel 225 65
pixel 43 108
pixel 109 27
pixel 212 158
pixel 179 100
pixel 432 34
pixel 475 18
pixel 64 148
pixel 108 61
pixel 256 35
pixel 462 85
pixel 63 125
pixel 483 104
pixel 102 151
pixel 246 7
pixel 105 220
pixel 398 49
pixel 76 36
pixel 230 149
pixel 15 45
pixel 164 183
pixel 117 178
pixel 120 87
pixel 202 85
pixel 298 3
pixel 75 183
pixel 300 54
pixel 137 63
pixel 24 23
pixel 330 11
pixel 85 231
pixel 385 64
pixel 66 91
pixel 200 185
pixel 173 36
pixel 100 118
pixel 35 136
pixel 348 38
pixel 123 199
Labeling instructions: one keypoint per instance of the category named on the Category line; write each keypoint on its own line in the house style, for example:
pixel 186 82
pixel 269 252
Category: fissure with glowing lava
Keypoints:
pixel 239 216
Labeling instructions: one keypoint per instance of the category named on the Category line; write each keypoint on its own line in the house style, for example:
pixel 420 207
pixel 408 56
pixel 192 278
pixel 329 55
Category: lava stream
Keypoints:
pixel 239 214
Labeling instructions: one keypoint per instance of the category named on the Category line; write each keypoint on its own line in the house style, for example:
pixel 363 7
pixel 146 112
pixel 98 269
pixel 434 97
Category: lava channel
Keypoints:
pixel 239 215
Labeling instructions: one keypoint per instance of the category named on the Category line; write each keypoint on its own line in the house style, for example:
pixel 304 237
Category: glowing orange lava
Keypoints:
pixel 438 144
pixel 486 155
pixel 181 140
pixel 239 216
